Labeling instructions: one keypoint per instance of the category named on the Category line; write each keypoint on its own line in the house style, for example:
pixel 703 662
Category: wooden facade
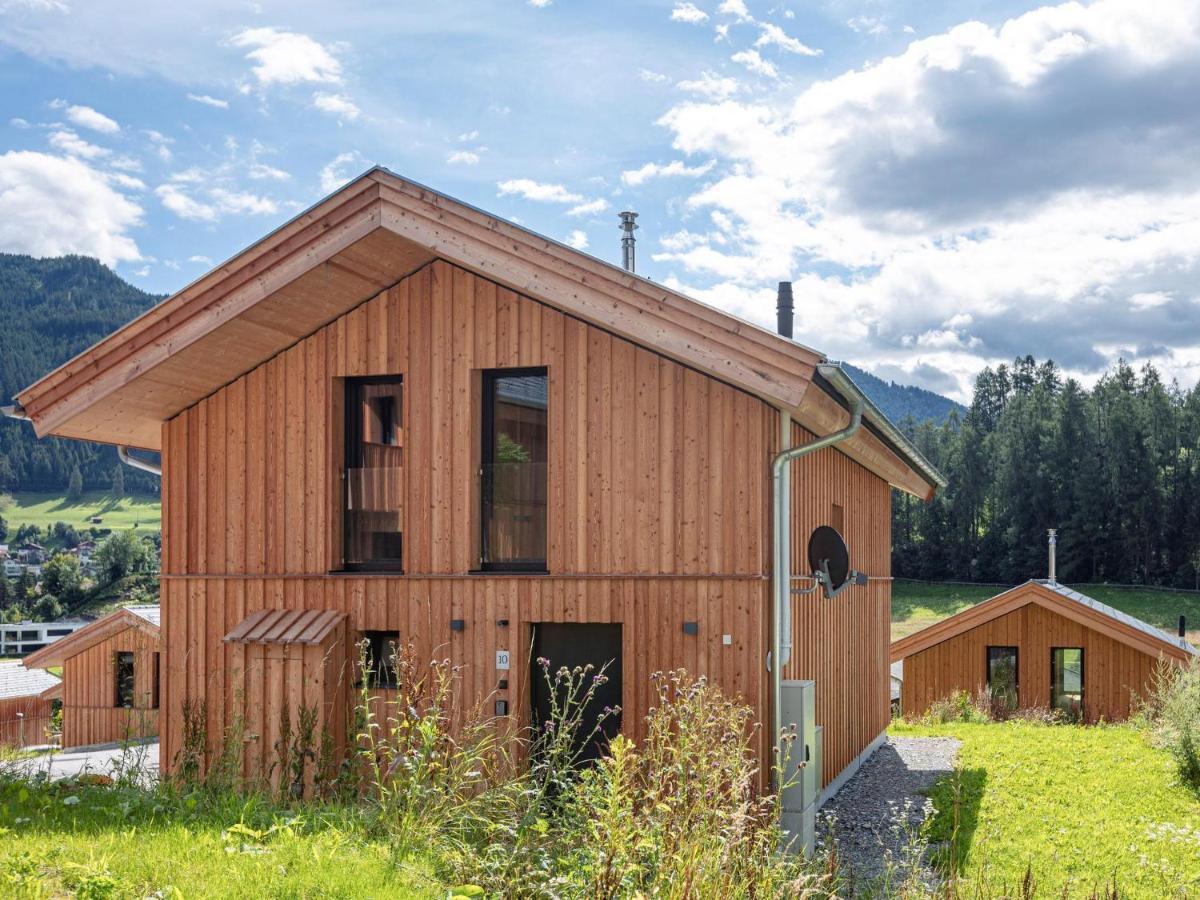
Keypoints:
pixel 93 713
pixel 658 511
pixel 662 416
pixel 1118 661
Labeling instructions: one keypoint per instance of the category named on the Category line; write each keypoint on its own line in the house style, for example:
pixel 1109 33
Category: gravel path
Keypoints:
pixel 877 814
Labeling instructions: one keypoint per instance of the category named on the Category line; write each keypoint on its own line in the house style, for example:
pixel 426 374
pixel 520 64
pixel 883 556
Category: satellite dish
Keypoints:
pixel 828 558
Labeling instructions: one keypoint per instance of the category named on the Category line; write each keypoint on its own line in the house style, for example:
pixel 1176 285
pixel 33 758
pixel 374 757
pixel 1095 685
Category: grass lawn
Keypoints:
pixel 915 605
pixel 111 842
pixel 44 510
pixel 1078 806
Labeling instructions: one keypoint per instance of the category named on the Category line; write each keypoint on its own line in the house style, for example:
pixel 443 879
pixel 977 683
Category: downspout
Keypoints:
pixel 133 462
pixel 781 624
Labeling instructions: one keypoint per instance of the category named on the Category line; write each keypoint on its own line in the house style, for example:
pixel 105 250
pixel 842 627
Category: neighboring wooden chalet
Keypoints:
pixel 111 677
pixel 26 704
pixel 444 429
pixel 1038 645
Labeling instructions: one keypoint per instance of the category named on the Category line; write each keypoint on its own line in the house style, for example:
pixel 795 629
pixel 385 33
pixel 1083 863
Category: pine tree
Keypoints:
pixel 118 481
pixel 75 484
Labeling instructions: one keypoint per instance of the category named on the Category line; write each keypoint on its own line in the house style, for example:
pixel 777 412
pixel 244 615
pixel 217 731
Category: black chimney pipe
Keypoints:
pixel 1182 627
pixel 784 309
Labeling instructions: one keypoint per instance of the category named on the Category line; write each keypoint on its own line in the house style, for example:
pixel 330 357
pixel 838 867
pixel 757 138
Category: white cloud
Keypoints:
pixel 676 168
pixel 18 122
pixel 35 5
pixel 536 190
pixel 753 61
pixel 126 181
pixel 206 100
pixel 51 205
pixel 711 86
pixel 262 172
pixel 183 205
pixel 774 36
pixel 577 239
pixel 468 136
pixel 143 272
pixel 463 158
pixel 242 203
pixel 653 77
pixel 336 172
pixel 337 105
pixel 202 260
pixel 86 117
pixel 736 8
pixel 588 207
pixel 871 25
pixel 71 143
pixel 688 12
pixel 219 201
pixel 286 57
pixel 539 4
pixel 1078 244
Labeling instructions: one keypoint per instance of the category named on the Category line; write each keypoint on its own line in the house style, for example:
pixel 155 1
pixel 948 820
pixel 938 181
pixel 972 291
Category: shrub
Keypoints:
pixel 1173 710
pixel 957 707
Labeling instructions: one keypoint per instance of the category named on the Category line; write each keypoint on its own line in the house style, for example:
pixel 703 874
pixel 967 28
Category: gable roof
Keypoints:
pixel 18 681
pixel 286 626
pixel 143 618
pixel 1058 599
pixel 369 235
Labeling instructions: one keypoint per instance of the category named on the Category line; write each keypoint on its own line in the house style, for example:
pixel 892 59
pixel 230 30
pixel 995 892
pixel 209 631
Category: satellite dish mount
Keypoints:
pixel 829 561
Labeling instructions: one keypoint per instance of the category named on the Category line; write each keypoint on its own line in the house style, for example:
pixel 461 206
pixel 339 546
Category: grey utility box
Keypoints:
pixel 802 768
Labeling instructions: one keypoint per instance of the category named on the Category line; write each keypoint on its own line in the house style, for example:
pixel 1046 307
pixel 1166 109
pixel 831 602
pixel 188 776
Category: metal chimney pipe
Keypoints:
pixel 1053 550
pixel 784 309
pixel 627 239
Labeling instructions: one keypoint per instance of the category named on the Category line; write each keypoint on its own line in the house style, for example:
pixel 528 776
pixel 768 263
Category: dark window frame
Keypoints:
pixel 487 457
pixel 351 436
pixel 377 644
pixel 1082 677
pixel 120 686
pixel 156 684
pixel 1016 654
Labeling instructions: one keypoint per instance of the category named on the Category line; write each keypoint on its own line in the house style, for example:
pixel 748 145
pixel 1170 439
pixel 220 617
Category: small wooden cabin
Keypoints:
pixel 26 705
pixel 1038 645
pixel 462 435
pixel 112 677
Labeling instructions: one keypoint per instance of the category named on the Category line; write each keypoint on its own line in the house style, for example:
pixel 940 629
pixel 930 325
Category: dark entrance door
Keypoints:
pixel 574 644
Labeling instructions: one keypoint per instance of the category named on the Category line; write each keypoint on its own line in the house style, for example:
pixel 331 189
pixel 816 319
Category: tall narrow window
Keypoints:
pixel 373 534
pixel 514 469
pixel 1002 676
pixel 154 686
pixel 1066 681
pixel 382 647
pixel 124 680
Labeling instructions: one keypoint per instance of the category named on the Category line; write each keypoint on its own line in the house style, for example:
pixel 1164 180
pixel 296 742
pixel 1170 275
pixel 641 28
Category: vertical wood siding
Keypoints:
pixel 89 691
pixel 1113 672
pixel 23 721
pixel 658 511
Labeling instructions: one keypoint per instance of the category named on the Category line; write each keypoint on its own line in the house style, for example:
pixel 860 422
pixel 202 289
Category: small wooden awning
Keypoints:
pixel 286 626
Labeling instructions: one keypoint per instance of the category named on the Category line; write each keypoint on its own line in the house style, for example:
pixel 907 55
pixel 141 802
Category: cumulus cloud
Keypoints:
pixel 262 172
pixel 676 168
pixel 653 77
pixel 577 239
pixel 463 158
pixel 753 61
pixel 990 191
pixel 710 85
pixel 51 205
pixel 72 144
pixel 216 202
pixel 688 12
pixel 735 8
pixel 86 117
pixel 206 100
pixel 338 105
pixel 337 171
pixel 287 57
pixel 537 190
pixel 589 207
pixel 774 36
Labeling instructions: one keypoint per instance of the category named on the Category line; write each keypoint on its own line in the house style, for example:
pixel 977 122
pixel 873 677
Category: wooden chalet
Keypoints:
pixel 1037 645
pixel 111 677
pixel 26 705
pixel 443 429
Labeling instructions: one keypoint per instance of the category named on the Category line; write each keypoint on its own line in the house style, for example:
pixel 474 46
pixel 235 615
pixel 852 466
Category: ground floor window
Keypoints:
pixel 382 647
pixel 1066 680
pixel 1002 676
pixel 124 680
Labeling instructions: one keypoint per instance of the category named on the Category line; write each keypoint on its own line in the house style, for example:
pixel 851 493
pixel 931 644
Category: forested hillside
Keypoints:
pixel 902 401
pixel 1115 468
pixel 50 310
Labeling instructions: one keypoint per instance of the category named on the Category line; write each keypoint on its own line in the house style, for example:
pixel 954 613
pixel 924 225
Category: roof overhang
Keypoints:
pixel 364 238
pixel 57 653
pixel 1032 592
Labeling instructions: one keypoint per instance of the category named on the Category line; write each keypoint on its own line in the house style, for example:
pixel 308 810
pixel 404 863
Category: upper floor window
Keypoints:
pixel 514 453
pixel 373 533
pixel 124 680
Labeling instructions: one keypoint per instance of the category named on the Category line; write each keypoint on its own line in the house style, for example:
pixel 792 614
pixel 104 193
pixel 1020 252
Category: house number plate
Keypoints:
pixel 502 660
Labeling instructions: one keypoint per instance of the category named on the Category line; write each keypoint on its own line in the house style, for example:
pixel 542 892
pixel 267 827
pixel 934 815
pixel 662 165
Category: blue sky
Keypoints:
pixel 948 183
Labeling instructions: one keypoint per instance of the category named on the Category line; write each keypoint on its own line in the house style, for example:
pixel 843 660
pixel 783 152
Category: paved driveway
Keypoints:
pixel 109 759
